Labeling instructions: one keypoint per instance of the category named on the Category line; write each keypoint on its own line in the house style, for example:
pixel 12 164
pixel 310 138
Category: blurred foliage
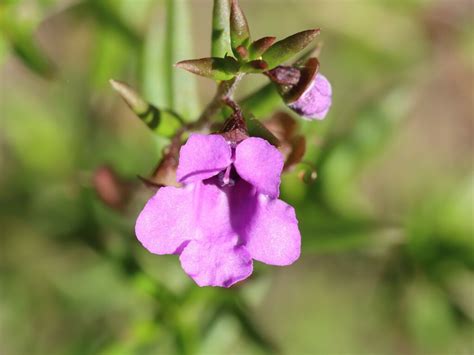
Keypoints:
pixel 388 235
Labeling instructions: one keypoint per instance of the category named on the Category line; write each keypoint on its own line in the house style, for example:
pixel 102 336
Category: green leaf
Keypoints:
pixel 154 65
pixel 239 29
pixel 430 319
pixel 213 68
pixel 163 122
pixel 220 29
pixel 241 311
pixel 285 49
pixel 327 231
pixel 106 14
pixel 110 57
pixel 185 98
pixel 166 43
pixel 30 54
pixel 20 37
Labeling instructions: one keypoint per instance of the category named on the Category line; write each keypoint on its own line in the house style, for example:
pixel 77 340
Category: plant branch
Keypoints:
pixel 225 90
pixel 223 96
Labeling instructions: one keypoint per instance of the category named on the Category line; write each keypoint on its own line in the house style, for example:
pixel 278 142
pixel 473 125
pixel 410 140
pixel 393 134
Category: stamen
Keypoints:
pixel 226 178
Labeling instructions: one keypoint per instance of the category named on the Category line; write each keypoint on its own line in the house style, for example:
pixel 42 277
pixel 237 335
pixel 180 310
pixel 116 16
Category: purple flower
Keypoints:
pixel 227 213
pixel 315 101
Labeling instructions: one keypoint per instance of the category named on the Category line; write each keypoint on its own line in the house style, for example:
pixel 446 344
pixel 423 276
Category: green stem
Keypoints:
pixel 169 51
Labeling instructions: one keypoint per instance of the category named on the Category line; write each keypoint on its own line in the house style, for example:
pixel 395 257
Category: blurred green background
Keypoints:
pixel 388 245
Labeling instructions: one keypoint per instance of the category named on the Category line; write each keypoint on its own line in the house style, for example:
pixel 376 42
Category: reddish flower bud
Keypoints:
pixel 315 101
pixel 304 90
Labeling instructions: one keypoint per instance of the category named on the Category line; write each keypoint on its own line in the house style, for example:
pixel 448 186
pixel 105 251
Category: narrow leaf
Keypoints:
pixel 154 64
pixel 257 48
pixel 130 96
pixel 220 29
pixel 167 42
pixel 33 57
pixel 213 68
pixel 111 55
pixel 285 49
pixel 185 98
pixel 106 14
pixel 163 122
pixel 21 38
pixel 242 313
pixel 239 29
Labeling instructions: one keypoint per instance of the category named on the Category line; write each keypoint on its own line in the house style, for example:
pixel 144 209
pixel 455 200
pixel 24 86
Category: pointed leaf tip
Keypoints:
pixel 213 68
pixel 220 28
pixel 286 48
pixel 162 122
pixel 239 28
pixel 130 96
pixel 260 46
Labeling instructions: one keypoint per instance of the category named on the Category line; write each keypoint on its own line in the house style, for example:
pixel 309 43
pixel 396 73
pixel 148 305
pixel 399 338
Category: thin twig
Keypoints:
pixel 225 90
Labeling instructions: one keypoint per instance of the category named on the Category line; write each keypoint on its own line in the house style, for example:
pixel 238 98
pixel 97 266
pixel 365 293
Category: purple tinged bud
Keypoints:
pixel 304 89
pixel 315 101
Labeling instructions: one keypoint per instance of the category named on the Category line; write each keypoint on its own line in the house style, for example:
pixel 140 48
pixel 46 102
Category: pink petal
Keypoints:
pixel 259 163
pixel 273 236
pixel 202 157
pixel 211 210
pixel 165 223
pixel 216 262
pixel 316 100
pixel 267 227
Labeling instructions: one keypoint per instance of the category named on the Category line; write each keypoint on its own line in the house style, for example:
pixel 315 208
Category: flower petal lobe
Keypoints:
pixel 202 157
pixel 165 223
pixel 260 164
pixel 216 262
pixel 272 236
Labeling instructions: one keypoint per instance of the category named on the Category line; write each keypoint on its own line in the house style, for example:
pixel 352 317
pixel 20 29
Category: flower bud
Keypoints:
pixel 315 101
pixel 304 90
